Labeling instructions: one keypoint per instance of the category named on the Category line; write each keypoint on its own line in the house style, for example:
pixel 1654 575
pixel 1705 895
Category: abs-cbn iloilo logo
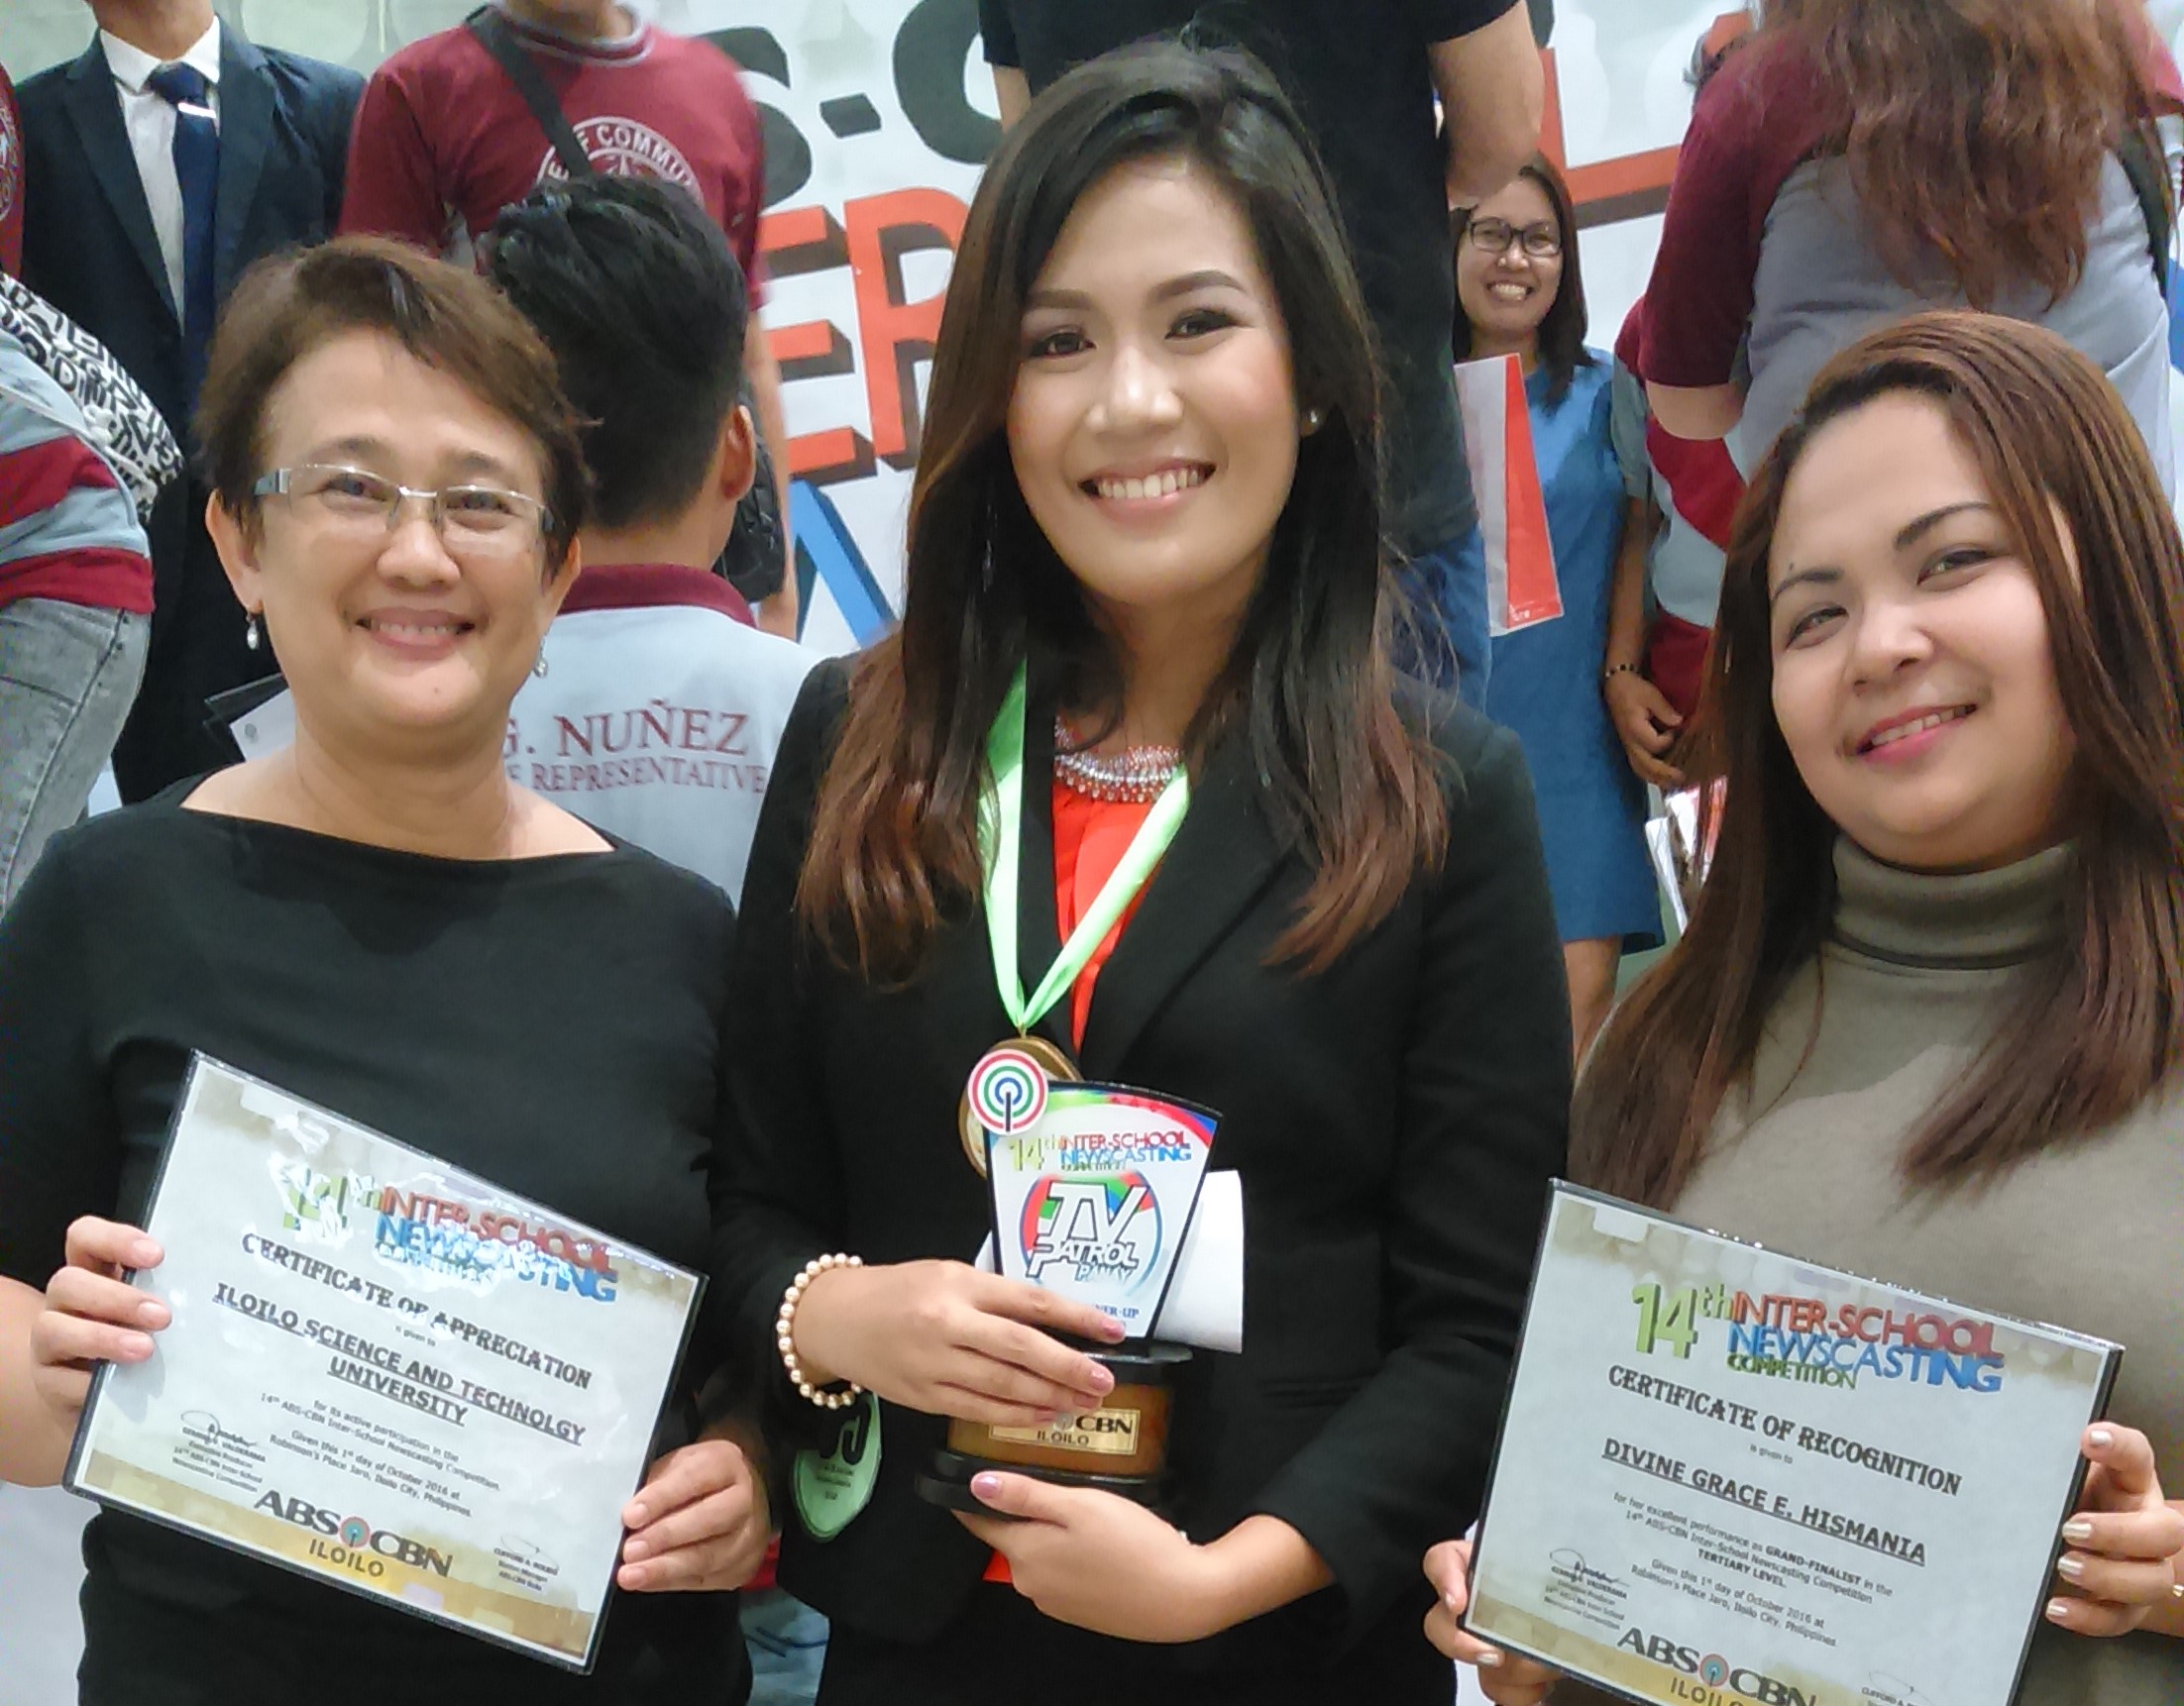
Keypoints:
pixel 1707 1678
pixel 352 1545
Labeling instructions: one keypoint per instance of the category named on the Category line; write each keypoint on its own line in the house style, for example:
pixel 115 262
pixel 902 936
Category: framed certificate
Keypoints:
pixel 1727 1476
pixel 386 1374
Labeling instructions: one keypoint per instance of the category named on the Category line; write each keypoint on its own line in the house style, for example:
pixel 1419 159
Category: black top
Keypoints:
pixel 552 1024
pixel 1394 1120
pixel 1359 75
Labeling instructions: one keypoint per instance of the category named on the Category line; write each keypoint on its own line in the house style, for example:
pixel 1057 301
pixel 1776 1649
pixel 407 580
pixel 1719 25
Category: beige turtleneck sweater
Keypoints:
pixel 2087 1236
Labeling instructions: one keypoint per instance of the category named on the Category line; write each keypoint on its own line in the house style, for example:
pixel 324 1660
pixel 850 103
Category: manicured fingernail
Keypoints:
pixel 635 1551
pixel 2101 1439
pixel 135 1347
pixel 2077 1529
pixel 634 1576
pixel 635 1517
pixel 1489 1659
pixel 2071 1568
pixel 986 1486
pixel 1103 1382
pixel 143 1253
pixel 2058 1611
pixel 1111 1327
pixel 151 1312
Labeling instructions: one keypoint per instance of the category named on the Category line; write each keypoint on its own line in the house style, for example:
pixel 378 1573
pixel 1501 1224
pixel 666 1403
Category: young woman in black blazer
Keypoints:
pixel 1148 485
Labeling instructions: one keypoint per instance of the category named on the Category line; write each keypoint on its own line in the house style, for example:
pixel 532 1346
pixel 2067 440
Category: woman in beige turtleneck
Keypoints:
pixel 1928 1020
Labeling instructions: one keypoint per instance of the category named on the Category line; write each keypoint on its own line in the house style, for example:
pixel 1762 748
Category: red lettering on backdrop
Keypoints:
pixel 893 333
pixel 897 333
pixel 797 241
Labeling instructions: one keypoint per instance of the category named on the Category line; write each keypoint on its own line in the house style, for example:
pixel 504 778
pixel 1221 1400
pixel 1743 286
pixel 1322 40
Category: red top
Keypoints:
pixel 443 142
pixel 1090 838
pixel 1764 114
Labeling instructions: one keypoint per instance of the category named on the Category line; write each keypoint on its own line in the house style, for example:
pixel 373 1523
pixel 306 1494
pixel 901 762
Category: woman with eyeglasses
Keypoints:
pixel 1519 294
pixel 377 921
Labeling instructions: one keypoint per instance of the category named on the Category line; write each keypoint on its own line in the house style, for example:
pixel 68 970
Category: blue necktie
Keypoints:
pixel 197 168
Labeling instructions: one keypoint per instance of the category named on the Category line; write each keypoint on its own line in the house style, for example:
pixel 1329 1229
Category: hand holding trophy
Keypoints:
pixel 1092 1189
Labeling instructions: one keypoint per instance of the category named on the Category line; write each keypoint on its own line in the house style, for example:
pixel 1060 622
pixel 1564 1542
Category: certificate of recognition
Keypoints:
pixel 386 1373
pixel 1728 1477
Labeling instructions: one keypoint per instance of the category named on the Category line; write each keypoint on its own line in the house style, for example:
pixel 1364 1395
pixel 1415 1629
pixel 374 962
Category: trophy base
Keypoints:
pixel 1119 1447
pixel 947 1482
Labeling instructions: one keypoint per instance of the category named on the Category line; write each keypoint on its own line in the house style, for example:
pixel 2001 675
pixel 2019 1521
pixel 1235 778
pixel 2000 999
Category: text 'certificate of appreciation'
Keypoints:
pixel 386 1374
pixel 1728 1477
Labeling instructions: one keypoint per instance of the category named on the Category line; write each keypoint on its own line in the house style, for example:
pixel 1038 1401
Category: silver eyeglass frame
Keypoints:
pixel 279 481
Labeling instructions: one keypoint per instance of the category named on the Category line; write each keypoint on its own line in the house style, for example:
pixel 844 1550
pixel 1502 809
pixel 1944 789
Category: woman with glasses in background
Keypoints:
pixel 377 919
pixel 1519 293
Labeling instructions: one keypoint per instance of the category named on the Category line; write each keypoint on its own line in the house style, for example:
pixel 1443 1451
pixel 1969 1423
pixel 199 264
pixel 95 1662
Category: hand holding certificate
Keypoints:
pixel 1727 1476
pixel 386 1374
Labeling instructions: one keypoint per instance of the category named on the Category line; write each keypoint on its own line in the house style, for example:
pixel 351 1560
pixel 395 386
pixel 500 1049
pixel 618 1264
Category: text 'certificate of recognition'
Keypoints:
pixel 386 1374
pixel 1728 1477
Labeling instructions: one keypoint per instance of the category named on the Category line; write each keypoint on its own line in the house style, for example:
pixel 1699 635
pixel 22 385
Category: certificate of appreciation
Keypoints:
pixel 1727 1476
pixel 386 1373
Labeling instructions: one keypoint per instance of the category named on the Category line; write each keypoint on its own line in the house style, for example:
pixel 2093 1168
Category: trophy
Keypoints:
pixel 1092 1188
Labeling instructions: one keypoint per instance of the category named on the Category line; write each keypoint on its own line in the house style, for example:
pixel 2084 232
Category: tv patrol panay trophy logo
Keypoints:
pixel 1092 1188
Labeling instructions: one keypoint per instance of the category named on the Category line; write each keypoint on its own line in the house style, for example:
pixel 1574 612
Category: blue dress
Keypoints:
pixel 1545 682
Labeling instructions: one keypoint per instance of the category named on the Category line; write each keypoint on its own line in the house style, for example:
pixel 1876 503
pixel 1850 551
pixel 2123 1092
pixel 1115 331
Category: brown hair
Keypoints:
pixel 1974 129
pixel 1562 327
pixel 2096 1025
pixel 447 317
pixel 1307 684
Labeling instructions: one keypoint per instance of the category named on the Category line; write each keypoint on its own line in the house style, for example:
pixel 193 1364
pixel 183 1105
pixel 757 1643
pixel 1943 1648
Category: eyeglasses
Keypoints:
pixel 1493 236
pixel 355 505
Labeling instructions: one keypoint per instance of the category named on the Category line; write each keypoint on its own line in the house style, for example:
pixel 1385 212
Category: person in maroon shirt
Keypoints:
pixel 444 142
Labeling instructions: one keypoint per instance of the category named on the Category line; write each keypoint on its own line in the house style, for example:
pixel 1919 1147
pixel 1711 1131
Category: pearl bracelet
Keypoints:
pixel 843 1393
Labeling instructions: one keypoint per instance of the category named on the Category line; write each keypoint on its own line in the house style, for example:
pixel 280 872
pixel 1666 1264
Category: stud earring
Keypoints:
pixel 1314 419
pixel 253 637
pixel 539 667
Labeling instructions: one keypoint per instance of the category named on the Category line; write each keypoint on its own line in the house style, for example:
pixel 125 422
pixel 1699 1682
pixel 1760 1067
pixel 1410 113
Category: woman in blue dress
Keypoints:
pixel 1519 293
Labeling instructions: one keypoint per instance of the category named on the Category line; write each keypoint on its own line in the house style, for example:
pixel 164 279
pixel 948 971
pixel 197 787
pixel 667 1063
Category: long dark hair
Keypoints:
pixel 2096 1025
pixel 1307 682
pixel 1974 129
pixel 1563 328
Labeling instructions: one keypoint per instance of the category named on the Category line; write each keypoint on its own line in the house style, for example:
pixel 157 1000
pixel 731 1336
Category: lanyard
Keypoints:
pixel 1001 848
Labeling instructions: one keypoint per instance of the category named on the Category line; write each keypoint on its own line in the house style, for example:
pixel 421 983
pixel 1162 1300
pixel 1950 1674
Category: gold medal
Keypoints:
pixel 1005 1093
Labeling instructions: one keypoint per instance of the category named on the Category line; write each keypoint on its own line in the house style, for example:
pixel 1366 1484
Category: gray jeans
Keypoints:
pixel 67 675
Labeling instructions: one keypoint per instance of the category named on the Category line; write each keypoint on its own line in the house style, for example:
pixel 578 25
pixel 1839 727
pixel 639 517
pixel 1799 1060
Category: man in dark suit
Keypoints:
pixel 161 163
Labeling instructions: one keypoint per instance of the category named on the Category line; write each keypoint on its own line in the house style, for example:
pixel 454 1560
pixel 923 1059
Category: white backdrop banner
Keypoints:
pixel 878 116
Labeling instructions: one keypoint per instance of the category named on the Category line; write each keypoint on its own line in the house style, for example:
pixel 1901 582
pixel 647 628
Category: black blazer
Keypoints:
pixel 1395 1121
pixel 87 242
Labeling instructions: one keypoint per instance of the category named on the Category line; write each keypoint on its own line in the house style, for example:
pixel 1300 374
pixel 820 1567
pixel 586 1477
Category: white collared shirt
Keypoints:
pixel 150 122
